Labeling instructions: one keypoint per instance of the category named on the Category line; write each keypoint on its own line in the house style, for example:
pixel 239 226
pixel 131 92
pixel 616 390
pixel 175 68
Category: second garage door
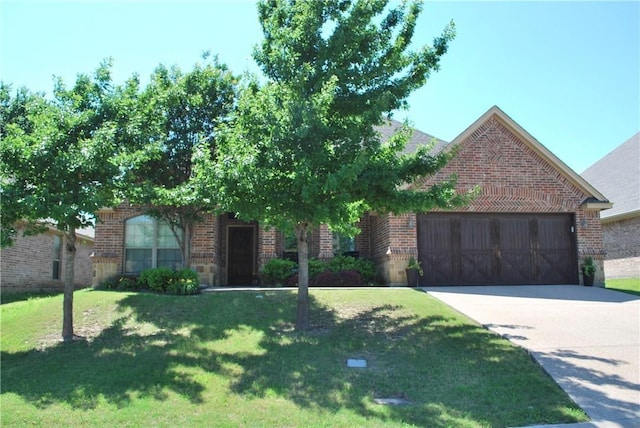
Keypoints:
pixel 485 249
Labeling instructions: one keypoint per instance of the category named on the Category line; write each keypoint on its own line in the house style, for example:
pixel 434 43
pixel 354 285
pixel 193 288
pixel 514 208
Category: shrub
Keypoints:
pixel 351 277
pixel 278 271
pixel 121 283
pixel 184 282
pixel 128 283
pixel 316 266
pixel 326 278
pixel 157 279
pixel 366 268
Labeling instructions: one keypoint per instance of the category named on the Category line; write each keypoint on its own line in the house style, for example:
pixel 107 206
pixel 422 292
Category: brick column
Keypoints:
pixel 266 246
pixel 325 243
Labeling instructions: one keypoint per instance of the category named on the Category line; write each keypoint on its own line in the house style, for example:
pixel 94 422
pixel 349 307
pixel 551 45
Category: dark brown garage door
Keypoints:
pixel 484 249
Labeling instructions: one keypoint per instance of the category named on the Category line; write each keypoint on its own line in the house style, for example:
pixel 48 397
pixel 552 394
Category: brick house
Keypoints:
pixel 36 263
pixel 617 175
pixel 533 223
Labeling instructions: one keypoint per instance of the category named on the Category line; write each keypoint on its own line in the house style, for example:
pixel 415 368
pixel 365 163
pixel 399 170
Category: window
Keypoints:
pixel 150 243
pixel 343 244
pixel 291 247
pixel 57 252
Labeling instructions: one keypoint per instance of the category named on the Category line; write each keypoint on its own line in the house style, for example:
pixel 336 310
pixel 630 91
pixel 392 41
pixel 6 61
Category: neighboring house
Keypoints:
pixel 36 263
pixel 533 223
pixel 617 176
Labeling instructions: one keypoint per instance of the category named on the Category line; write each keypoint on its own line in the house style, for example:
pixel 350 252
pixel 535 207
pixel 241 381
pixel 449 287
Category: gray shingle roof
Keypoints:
pixel 418 138
pixel 617 176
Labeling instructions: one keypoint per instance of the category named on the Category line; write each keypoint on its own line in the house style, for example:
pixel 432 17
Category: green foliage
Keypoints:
pixel 157 279
pixel 277 271
pixel 303 149
pixel 60 159
pixel 179 113
pixel 341 270
pixel 364 267
pixel 316 266
pixel 415 264
pixel 184 282
pixel 588 267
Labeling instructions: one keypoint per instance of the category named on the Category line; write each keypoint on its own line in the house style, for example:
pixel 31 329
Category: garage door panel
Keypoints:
pixel 437 268
pixel 552 267
pixel 474 248
pixel 516 268
pixel 477 267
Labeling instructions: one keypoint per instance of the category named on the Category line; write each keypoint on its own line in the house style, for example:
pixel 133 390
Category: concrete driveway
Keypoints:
pixel 586 338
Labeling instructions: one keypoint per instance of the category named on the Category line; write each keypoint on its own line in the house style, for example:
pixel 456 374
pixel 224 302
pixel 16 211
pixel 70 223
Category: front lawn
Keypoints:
pixel 232 359
pixel 627 285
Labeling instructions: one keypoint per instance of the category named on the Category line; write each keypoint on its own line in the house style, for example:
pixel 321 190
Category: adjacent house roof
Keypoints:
pixel 617 175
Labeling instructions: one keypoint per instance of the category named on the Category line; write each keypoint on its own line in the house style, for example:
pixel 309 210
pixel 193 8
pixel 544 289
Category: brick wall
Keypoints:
pixel 622 244
pixel 515 178
pixel 108 256
pixel 28 264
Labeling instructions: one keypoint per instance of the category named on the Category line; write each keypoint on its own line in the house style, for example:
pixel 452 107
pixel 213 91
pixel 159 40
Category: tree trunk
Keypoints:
pixel 69 270
pixel 302 319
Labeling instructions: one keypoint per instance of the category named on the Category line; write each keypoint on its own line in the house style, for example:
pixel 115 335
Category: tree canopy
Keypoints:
pixel 304 149
pixel 59 160
pixel 179 114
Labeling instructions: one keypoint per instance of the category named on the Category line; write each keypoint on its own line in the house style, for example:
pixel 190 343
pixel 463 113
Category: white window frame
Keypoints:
pixel 155 224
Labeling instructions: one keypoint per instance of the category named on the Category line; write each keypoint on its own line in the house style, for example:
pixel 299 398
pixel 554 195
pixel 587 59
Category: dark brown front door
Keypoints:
pixel 484 249
pixel 241 259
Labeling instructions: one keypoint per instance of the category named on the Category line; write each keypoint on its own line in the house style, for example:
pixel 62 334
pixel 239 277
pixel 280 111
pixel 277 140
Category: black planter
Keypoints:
pixel 413 276
pixel 588 279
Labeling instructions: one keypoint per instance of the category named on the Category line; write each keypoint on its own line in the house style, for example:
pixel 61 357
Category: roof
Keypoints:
pixel 418 138
pixel 596 200
pixel 617 175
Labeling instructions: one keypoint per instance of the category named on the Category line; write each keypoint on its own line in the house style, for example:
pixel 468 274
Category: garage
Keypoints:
pixel 507 249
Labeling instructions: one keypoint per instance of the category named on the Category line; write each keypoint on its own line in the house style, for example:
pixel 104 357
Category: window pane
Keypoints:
pixel 343 244
pixel 170 258
pixel 290 243
pixel 57 247
pixel 139 232
pixel 56 269
pixel 166 238
pixel 137 260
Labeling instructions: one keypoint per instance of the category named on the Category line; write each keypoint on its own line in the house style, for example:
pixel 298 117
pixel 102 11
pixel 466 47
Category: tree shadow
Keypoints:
pixel 602 394
pixel 404 351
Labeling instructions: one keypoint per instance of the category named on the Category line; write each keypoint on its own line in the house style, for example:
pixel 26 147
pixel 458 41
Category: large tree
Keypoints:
pixel 58 160
pixel 304 150
pixel 180 114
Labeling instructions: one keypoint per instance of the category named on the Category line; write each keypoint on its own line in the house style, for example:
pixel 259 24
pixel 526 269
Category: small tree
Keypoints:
pixel 304 150
pixel 58 161
pixel 180 113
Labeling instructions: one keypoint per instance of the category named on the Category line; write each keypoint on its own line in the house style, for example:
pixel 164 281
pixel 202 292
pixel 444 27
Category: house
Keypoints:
pixel 617 175
pixel 533 223
pixel 36 263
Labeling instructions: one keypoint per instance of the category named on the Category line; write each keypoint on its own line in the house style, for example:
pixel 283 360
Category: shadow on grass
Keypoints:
pixel 449 371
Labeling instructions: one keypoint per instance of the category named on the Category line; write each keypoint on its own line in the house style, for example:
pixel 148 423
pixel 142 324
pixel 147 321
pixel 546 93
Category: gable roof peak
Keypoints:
pixel 497 113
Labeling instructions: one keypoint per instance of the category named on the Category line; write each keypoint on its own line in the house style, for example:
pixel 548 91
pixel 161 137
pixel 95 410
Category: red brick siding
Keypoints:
pixel 622 244
pixel 28 264
pixel 515 178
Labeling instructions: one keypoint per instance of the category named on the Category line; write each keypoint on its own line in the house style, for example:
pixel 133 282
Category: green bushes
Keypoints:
pixel 277 271
pixel 160 280
pixel 339 271
pixel 157 279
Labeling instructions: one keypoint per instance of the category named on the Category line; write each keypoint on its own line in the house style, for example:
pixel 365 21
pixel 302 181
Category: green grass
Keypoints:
pixel 627 285
pixel 232 359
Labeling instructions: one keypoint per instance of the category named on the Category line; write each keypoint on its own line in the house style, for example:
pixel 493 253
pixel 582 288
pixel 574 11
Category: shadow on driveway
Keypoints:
pixel 586 338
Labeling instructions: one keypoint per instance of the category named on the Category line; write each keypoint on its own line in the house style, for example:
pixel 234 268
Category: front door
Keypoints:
pixel 241 251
